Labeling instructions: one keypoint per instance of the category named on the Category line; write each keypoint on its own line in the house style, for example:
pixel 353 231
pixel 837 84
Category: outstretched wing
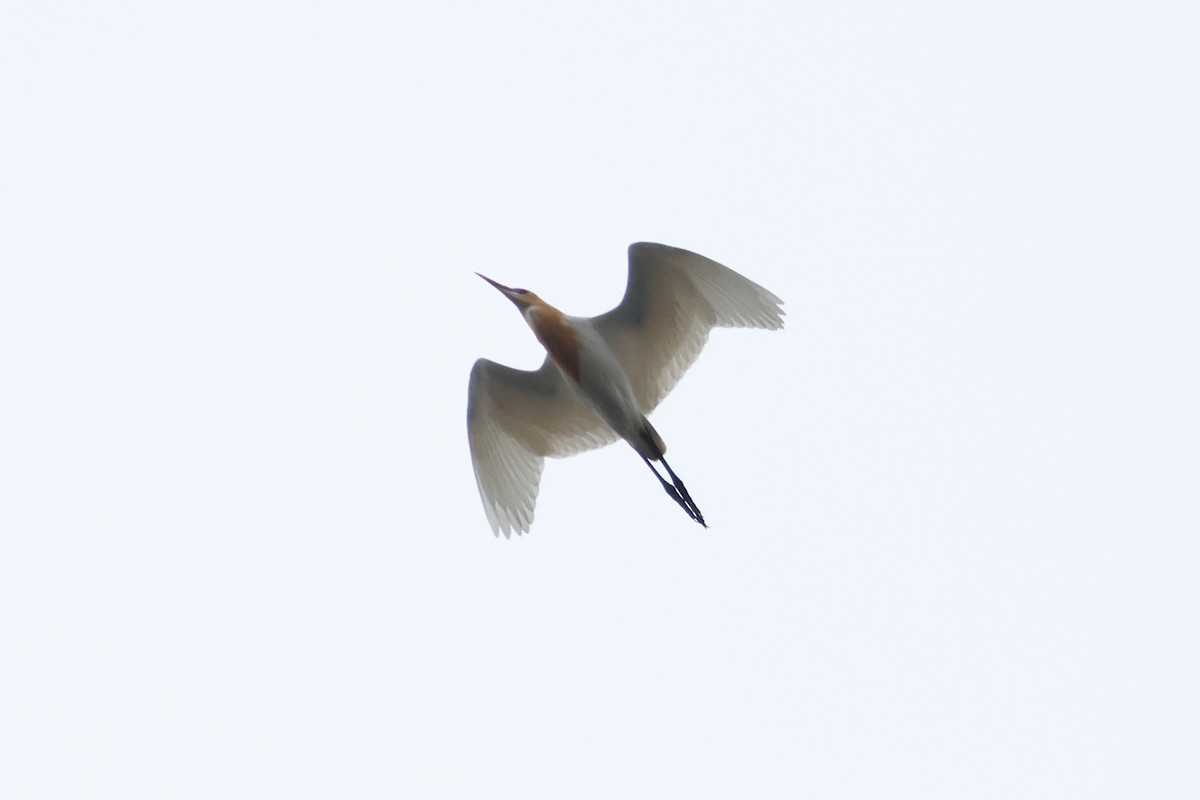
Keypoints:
pixel 515 419
pixel 673 299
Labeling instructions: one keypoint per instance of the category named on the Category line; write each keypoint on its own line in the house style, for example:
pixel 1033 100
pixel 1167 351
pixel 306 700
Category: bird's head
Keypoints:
pixel 522 298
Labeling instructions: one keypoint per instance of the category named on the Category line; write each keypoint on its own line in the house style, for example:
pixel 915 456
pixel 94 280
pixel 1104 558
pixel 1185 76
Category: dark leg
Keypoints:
pixel 683 491
pixel 677 492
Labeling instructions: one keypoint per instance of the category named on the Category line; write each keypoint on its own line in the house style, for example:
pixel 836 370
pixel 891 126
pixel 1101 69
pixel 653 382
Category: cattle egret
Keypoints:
pixel 601 376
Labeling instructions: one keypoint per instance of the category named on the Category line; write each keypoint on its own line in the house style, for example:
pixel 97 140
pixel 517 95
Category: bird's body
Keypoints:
pixel 585 359
pixel 602 375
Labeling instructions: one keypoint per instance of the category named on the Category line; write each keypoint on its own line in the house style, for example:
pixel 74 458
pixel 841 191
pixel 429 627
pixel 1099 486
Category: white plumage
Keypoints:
pixel 602 375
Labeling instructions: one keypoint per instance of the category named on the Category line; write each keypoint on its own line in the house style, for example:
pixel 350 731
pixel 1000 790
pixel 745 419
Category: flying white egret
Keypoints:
pixel 602 375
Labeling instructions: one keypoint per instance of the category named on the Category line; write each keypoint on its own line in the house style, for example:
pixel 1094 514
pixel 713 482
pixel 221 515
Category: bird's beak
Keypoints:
pixel 499 286
pixel 518 300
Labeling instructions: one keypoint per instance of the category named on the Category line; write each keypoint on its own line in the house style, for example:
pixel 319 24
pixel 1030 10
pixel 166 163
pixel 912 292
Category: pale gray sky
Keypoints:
pixel 953 547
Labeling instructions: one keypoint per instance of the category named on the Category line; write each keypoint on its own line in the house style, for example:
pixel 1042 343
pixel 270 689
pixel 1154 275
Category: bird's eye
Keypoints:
pixel 521 291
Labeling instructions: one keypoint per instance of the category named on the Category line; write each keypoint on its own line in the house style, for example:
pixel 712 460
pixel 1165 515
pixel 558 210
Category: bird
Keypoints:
pixel 601 376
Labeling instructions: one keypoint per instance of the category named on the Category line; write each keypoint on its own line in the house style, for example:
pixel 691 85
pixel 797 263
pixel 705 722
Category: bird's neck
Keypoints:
pixel 556 334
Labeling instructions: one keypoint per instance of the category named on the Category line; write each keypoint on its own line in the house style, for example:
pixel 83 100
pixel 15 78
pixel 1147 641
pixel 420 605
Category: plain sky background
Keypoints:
pixel 954 545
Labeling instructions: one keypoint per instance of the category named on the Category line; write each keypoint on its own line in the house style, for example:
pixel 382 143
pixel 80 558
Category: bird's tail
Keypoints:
pixel 655 447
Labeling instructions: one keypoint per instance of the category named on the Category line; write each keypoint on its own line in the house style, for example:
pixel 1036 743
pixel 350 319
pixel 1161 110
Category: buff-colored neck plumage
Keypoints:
pixel 556 335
